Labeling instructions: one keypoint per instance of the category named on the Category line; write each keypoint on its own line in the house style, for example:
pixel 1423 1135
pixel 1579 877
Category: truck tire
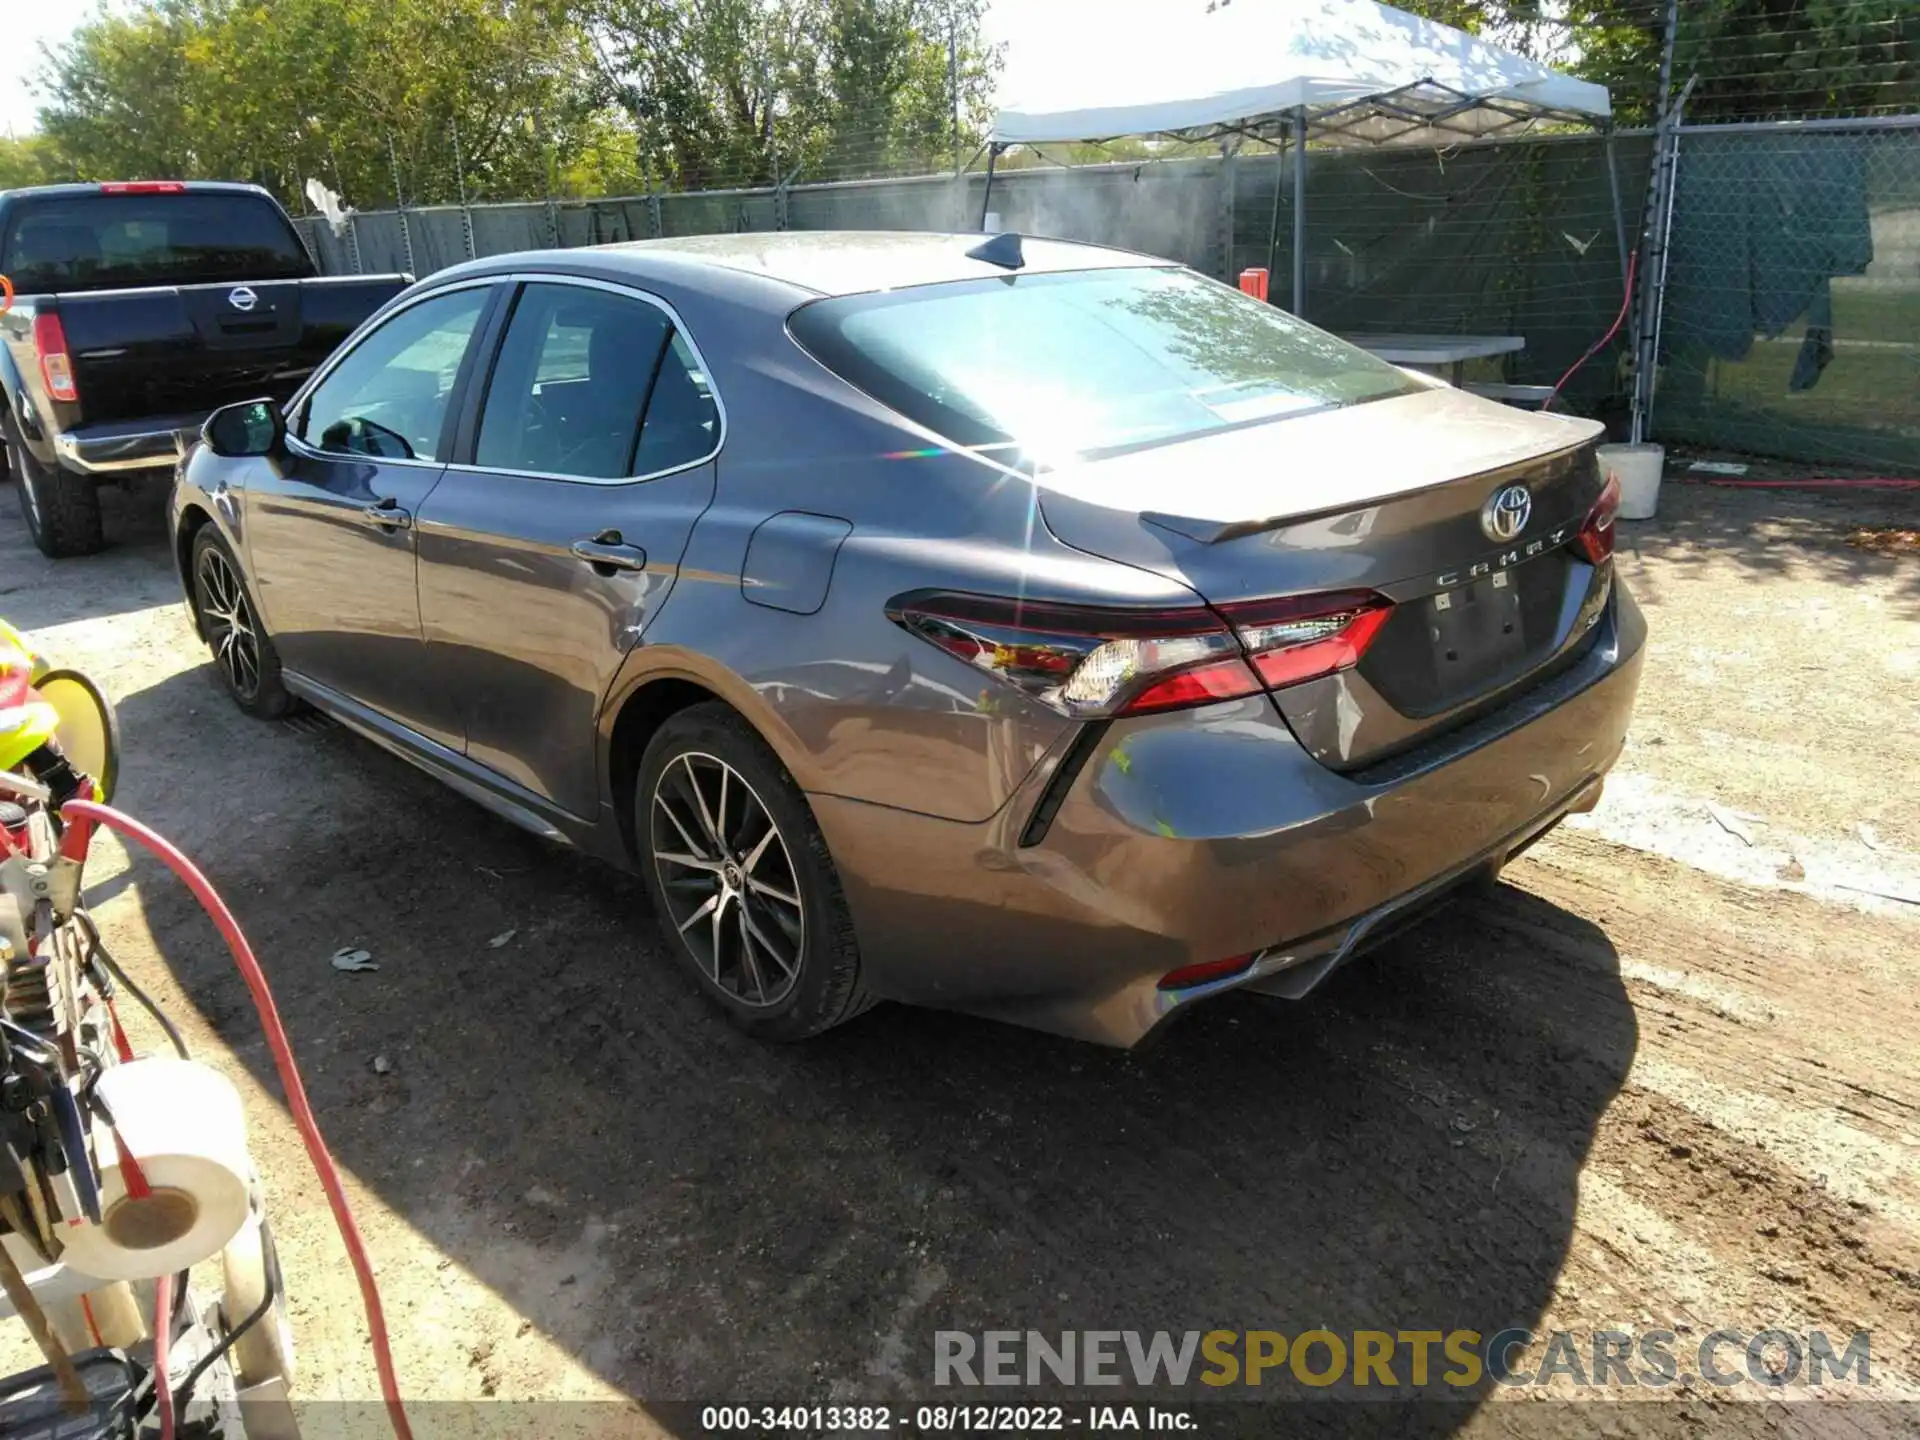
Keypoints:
pixel 62 511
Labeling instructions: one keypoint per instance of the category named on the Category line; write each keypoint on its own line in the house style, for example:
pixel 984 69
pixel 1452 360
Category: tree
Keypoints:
pixel 1766 59
pixel 28 160
pixel 743 92
pixel 1755 59
pixel 121 91
pixel 277 93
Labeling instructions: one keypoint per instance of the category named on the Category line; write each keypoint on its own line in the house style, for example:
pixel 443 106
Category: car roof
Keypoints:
pixel 847 262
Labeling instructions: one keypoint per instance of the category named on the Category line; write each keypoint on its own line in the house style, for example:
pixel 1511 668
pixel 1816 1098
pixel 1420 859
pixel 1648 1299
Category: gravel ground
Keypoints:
pixel 1662 1077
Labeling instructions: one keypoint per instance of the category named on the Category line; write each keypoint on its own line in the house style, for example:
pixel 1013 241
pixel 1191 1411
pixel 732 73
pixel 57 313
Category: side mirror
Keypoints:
pixel 249 427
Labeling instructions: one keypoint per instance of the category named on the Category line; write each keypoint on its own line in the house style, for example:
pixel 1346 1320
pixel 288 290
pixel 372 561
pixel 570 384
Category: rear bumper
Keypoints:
pixel 153 443
pixel 1211 834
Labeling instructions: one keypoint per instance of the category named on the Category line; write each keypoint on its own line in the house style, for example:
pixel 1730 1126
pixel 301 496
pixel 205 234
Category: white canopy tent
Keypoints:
pixel 1340 72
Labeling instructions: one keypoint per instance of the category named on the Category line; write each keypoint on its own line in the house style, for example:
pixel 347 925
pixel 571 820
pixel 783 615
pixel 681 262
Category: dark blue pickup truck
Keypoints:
pixel 140 306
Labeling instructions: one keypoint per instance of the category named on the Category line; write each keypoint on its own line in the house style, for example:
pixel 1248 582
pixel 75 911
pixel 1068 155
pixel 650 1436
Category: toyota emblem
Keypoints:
pixel 241 298
pixel 1506 513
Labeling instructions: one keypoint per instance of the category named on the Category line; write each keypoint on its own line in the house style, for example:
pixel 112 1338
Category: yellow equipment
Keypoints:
pixel 39 704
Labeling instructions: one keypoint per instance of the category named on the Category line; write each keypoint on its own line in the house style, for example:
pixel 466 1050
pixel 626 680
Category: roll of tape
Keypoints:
pixel 182 1124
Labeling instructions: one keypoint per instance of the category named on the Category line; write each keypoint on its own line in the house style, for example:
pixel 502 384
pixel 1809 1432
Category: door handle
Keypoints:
pixel 387 514
pixel 607 552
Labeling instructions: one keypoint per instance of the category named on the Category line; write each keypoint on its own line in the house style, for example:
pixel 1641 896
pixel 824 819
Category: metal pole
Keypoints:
pixel 1619 214
pixel 1654 265
pixel 1300 212
pixel 1666 259
pixel 400 206
pixel 1620 242
pixel 986 193
pixel 1229 187
pixel 953 86
pixel 460 175
pixel 546 178
pixel 779 183
pixel 1643 362
pixel 1273 222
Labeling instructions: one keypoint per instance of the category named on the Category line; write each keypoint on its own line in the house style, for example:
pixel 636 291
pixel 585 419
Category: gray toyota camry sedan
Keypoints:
pixel 1018 627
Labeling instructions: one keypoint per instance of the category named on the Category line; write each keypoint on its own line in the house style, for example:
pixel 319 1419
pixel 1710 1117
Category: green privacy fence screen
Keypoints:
pixel 1791 323
pixel 1792 317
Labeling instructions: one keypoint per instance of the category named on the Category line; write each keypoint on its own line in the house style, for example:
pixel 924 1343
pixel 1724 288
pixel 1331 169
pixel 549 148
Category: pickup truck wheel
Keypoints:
pixel 243 653
pixel 62 511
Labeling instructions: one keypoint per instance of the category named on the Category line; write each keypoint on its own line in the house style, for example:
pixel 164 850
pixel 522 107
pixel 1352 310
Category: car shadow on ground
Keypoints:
pixel 694 1214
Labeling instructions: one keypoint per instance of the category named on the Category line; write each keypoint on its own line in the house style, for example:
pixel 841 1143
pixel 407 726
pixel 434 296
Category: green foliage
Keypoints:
pixel 1755 59
pixel 739 92
pixel 28 160
pixel 570 97
pixel 278 92
pixel 1802 57
pixel 594 97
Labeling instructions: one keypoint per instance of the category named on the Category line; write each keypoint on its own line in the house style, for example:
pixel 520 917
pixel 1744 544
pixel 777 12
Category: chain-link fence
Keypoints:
pixel 1783 311
pixel 1516 238
pixel 1791 319
pixel 1789 324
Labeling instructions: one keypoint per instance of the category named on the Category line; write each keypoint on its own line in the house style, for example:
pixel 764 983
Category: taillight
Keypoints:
pixel 143 187
pixel 50 343
pixel 1301 637
pixel 1096 662
pixel 1595 540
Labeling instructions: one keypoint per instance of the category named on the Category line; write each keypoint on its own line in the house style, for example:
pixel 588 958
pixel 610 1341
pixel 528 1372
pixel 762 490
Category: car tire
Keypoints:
pixel 244 659
pixel 62 511
pixel 722 831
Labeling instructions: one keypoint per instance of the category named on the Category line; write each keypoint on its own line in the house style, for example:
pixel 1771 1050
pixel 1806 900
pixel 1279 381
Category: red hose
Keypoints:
pixel 162 1338
pixel 1626 303
pixel 309 1128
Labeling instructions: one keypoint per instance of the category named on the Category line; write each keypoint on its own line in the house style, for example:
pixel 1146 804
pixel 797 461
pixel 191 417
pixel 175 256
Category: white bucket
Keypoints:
pixel 1637 468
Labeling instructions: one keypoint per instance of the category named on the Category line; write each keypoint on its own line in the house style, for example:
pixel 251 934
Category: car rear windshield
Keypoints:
pixel 103 242
pixel 1058 367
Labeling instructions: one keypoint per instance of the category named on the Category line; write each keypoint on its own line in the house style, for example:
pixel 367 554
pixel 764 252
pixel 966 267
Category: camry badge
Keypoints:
pixel 1506 512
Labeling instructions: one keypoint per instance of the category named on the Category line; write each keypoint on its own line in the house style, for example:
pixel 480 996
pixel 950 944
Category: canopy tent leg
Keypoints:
pixel 986 193
pixel 1273 222
pixel 1619 214
pixel 1300 212
pixel 1620 241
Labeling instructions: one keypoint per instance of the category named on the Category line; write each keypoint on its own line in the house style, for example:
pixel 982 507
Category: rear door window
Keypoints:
pixel 683 422
pixel 387 398
pixel 594 385
pixel 101 242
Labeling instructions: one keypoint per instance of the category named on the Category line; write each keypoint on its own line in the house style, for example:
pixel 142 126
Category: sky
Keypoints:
pixel 26 27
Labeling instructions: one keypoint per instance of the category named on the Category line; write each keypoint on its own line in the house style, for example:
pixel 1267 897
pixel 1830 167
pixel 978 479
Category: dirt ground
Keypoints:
pixel 1663 1077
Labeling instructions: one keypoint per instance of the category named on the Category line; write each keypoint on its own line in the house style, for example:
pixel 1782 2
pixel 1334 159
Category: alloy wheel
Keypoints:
pixel 728 878
pixel 231 629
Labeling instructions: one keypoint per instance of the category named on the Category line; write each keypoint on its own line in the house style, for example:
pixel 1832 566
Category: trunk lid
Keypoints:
pixel 1386 496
